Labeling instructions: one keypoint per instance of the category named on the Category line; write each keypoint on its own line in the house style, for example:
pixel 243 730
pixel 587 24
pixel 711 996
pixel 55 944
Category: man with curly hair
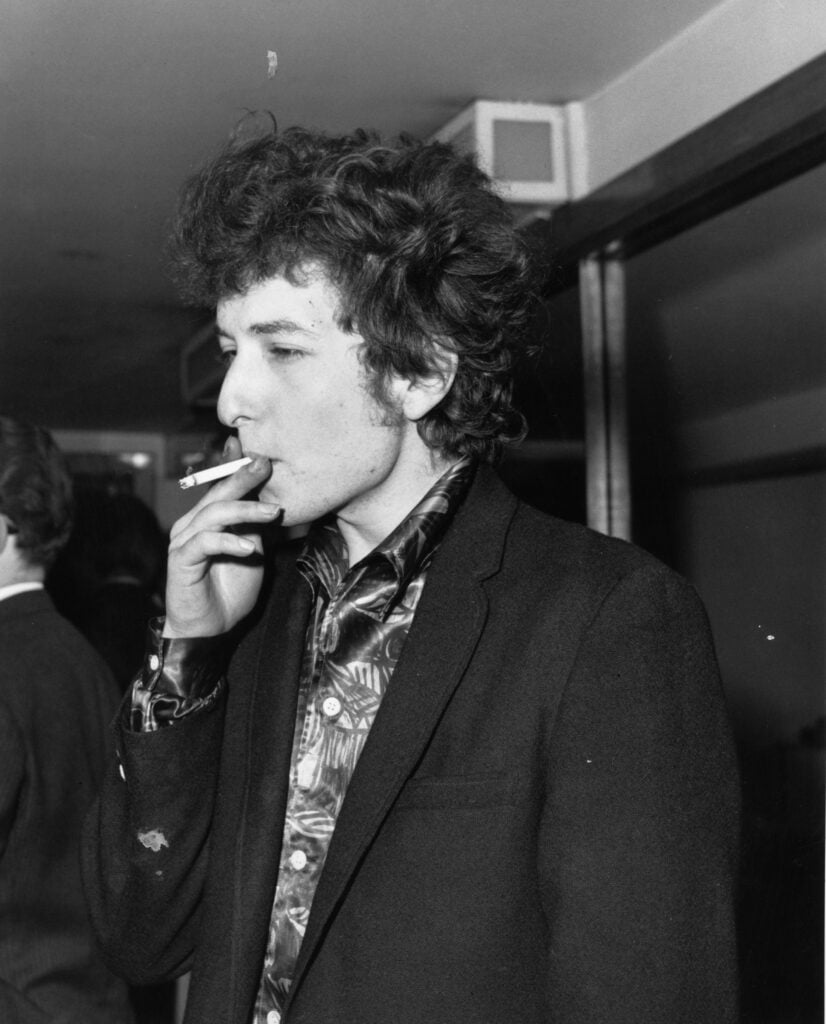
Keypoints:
pixel 56 701
pixel 447 759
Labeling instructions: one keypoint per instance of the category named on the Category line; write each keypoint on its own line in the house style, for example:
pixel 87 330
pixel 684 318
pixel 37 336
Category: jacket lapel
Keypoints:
pixel 445 631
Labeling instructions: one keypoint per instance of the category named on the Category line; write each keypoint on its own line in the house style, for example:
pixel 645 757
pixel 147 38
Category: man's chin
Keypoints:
pixel 268 494
pixel 273 497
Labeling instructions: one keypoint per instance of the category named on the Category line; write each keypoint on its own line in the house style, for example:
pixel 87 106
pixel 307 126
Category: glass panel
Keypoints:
pixel 727 387
pixel 548 469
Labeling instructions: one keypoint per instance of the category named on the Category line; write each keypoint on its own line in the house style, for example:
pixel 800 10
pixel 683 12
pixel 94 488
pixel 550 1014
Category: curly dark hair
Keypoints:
pixel 35 490
pixel 421 249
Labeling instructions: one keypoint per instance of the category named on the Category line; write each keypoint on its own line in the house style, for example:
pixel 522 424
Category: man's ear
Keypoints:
pixel 421 394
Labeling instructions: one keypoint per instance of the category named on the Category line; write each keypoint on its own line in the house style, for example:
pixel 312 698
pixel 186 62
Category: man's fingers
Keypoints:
pixel 232 449
pixel 240 483
pixel 204 546
pixel 224 515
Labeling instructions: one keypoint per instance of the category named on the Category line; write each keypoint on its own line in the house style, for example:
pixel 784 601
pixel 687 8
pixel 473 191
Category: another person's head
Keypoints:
pixel 128 542
pixel 35 500
pixel 421 252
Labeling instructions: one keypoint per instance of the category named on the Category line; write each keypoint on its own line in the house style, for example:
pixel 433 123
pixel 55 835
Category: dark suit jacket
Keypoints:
pixel 541 828
pixel 56 700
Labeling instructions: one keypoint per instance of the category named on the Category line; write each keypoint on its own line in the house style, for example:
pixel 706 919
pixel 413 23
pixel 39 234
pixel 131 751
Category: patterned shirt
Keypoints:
pixel 360 621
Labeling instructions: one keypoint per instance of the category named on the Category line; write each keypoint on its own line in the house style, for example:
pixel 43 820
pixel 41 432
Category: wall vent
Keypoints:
pixel 522 146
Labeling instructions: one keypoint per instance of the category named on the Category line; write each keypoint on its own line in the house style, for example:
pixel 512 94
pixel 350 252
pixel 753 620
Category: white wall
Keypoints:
pixel 735 50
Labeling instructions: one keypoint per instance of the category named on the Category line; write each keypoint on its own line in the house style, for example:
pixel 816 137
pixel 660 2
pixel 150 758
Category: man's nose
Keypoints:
pixel 234 399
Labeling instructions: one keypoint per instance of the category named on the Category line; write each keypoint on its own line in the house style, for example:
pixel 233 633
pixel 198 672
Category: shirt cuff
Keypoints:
pixel 179 677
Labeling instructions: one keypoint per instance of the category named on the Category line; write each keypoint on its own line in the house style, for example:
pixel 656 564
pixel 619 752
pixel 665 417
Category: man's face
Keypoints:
pixel 296 391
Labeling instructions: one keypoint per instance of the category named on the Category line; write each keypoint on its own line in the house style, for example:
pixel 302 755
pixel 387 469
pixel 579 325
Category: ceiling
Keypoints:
pixel 105 107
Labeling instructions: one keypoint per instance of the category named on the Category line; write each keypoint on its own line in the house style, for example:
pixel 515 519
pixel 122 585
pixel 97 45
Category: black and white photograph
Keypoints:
pixel 412 512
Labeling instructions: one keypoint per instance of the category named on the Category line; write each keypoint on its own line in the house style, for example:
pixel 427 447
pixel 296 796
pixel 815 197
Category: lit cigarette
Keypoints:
pixel 206 476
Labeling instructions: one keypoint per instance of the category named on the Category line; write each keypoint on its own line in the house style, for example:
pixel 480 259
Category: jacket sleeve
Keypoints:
pixel 12 774
pixel 146 844
pixel 640 829
pixel 16 1007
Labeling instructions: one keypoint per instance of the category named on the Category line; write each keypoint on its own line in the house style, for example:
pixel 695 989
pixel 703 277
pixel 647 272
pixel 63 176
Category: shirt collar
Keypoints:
pixel 404 553
pixel 13 589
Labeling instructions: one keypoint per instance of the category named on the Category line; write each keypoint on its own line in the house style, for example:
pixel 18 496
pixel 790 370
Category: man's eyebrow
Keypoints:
pixel 278 327
pixel 268 327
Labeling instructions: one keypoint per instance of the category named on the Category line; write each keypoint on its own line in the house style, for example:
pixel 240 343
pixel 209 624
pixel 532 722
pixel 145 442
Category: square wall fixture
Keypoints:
pixel 522 146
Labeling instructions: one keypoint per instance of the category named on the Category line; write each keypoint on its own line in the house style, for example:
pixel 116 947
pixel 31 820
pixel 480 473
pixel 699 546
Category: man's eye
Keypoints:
pixel 284 354
pixel 225 356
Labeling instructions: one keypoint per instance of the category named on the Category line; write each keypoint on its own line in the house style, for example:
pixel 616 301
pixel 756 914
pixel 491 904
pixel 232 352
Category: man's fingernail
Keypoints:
pixel 227 446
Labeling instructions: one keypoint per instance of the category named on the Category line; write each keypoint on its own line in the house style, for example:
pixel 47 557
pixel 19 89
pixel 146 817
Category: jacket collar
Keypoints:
pixel 12 589
pixel 405 552
pixel 29 602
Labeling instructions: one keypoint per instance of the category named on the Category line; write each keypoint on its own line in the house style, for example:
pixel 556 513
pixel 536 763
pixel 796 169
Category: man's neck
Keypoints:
pixel 362 534
pixel 14 570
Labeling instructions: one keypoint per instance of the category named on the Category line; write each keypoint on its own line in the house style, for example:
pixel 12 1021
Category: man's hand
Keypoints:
pixel 215 554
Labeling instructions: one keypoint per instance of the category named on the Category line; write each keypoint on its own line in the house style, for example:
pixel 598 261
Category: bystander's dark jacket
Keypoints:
pixel 56 702
pixel 542 826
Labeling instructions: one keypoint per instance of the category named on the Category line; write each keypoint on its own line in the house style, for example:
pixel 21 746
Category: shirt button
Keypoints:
pixel 331 706
pixel 122 772
pixel 154 662
pixel 273 1017
pixel 298 860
